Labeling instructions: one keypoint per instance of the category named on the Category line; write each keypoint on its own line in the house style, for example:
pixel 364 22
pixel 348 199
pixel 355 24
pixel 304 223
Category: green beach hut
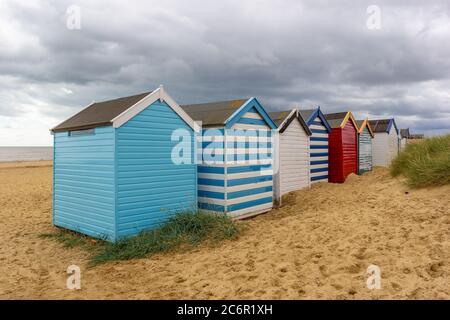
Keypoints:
pixel 365 136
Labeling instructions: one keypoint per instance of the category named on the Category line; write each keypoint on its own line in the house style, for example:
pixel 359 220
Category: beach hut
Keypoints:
pixel 115 170
pixel 405 135
pixel 416 137
pixel 343 146
pixel 365 136
pixel 235 173
pixel 320 130
pixel 292 155
pixel 385 142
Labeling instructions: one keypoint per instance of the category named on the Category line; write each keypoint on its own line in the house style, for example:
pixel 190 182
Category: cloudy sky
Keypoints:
pixel 336 54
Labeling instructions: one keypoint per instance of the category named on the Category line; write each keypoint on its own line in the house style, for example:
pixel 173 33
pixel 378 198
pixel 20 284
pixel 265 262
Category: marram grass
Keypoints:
pixel 426 163
pixel 182 230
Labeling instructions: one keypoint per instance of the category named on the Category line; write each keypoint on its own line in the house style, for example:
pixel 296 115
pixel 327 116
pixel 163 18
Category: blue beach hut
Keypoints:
pixel 117 169
pixel 320 129
pixel 235 174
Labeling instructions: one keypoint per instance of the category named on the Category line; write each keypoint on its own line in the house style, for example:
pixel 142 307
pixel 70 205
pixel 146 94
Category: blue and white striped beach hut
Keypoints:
pixel 320 129
pixel 115 173
pixel 235 174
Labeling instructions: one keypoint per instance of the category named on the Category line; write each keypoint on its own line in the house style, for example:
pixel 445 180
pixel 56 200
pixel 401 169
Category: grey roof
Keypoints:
pixel 213 113
pixel 99 113
pixel 335 119
pixel 280 116
pixel 404 133
pixel 306 113
pixel 380 125
pixel 368 126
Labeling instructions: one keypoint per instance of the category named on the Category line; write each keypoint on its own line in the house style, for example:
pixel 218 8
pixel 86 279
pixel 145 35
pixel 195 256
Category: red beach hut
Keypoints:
pixel 343 146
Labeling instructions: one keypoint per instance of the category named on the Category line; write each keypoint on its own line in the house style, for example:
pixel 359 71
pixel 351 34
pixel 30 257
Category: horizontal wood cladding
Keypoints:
pixel 236 175
pixel 365 151
pixel 150 186
pixel 343 155
pixel 84 182
pixel 319 146
pixel 294 160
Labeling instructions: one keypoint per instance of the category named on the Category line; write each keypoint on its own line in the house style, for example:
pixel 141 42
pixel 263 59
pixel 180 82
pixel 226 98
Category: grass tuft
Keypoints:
pixel 181 231
pixel 425 164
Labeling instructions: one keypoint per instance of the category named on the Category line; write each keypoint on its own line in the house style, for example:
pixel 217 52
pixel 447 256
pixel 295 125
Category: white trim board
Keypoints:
pixel 286 119
pixel 250 212
pixel 158 94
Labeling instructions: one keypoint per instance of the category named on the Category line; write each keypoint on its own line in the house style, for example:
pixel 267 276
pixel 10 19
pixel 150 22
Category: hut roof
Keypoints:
pixel 383 125
pixel 284 118
pixel 306 114
pixel 339 119
pixel 280 116
pixel 364 123
pixel 404 133
pixel 417 136
pixel 99 113
pixel 213 113
pixel 118 111
pixel 311 114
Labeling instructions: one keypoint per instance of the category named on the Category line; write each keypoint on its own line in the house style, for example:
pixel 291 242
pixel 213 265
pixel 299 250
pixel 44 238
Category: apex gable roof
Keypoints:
pixel 404 133
pixel 363 124
pixel 99 113
pixel 339 119
pixel 225 113
pixel 311 114
pixel 213 113
pixel 284 118
pixel 117 112
pixel 306 114
pixel 383 125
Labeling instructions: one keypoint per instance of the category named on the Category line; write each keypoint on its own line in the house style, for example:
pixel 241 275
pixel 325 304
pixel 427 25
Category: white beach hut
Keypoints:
pixel 404 136
pixel 386 143
pixel 292 152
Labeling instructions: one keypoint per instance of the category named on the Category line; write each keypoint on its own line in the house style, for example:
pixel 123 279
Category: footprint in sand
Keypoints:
pixel 435 269
pixel 323 270
pixel 360 254
pixel 352 292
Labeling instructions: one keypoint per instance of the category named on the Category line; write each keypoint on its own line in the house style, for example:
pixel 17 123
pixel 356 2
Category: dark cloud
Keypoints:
pixel 288 53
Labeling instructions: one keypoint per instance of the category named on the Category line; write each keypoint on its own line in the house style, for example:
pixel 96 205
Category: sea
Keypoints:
pixel 8 154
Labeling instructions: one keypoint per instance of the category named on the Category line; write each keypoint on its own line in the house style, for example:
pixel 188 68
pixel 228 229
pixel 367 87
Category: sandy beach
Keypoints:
pixel 318 246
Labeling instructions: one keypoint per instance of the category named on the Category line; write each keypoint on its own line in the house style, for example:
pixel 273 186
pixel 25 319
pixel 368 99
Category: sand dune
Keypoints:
pixel 318 245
